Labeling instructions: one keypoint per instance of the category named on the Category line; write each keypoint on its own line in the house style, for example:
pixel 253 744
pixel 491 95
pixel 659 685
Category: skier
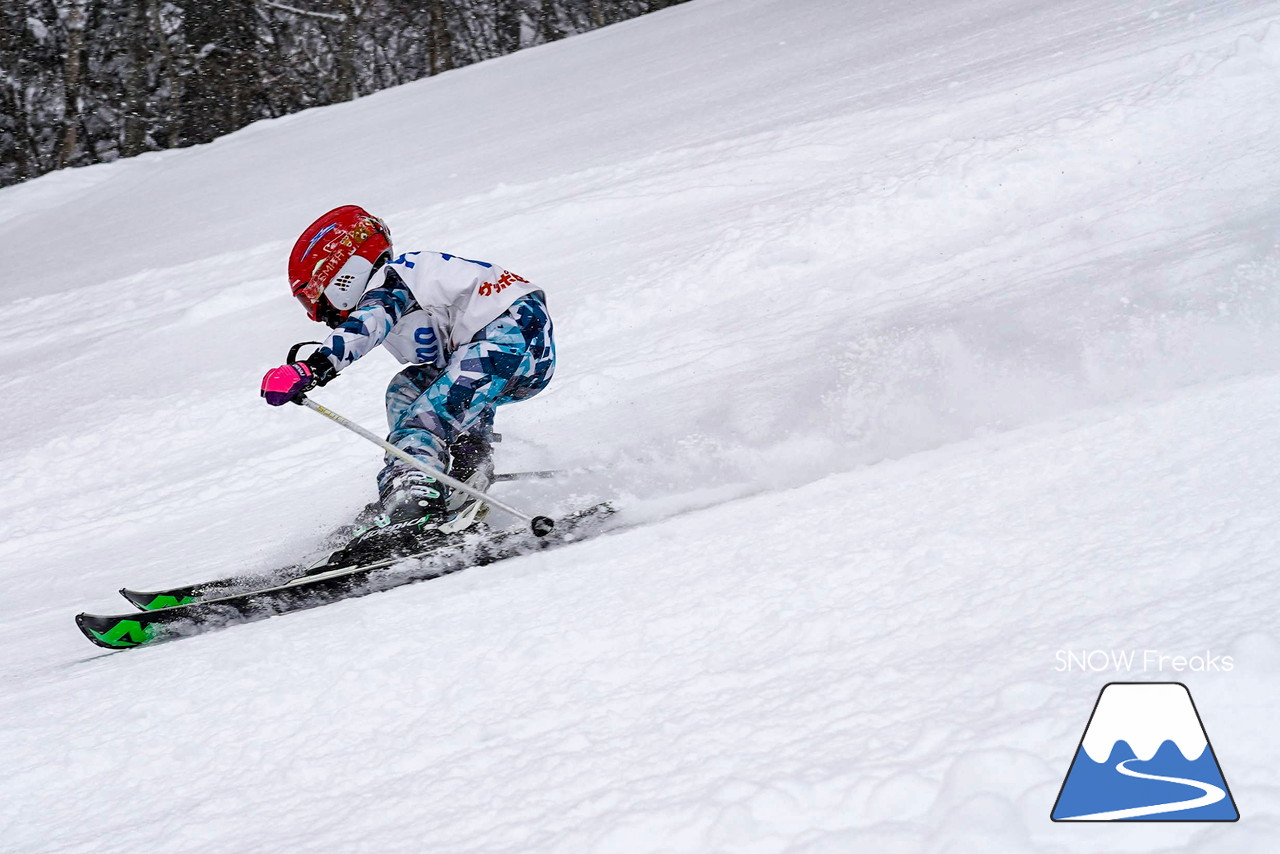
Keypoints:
pixel 474 337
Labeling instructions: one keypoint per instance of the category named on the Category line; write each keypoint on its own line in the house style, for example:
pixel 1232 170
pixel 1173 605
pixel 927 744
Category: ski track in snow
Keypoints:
pixel 926 351
pixel 1210 794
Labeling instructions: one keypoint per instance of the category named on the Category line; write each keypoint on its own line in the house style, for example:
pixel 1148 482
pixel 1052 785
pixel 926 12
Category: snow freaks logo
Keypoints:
pixel 1144 661
pixel 1144 756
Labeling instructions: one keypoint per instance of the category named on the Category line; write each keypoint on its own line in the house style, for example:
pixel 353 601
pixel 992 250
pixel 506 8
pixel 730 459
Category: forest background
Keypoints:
pixel 90 81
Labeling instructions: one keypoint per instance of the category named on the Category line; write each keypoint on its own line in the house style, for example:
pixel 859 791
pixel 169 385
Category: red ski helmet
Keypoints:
pixel 333 260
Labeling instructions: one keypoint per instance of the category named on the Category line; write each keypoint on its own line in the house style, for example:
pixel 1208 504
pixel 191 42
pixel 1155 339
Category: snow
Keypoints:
pixel 1144 717
pixel 920 342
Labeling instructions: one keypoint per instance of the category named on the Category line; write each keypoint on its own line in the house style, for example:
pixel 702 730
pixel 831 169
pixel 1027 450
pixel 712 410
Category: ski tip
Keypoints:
pixel 542 525
pixel 115 632
pixel 135 598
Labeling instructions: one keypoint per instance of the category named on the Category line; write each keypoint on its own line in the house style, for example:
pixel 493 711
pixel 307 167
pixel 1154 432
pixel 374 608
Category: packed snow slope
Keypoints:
pixel 920 342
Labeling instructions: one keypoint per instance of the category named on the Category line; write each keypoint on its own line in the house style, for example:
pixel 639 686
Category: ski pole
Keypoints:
pixel 529 475
pixel 540 525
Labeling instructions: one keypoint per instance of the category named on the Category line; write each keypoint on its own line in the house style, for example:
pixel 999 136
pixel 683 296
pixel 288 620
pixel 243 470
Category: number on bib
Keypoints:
pixel 430 347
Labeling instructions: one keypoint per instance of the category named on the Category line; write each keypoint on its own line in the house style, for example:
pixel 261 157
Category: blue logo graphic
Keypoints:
pixel 319 234
pixel 404 259
pixel 446 256
pixel 1145 756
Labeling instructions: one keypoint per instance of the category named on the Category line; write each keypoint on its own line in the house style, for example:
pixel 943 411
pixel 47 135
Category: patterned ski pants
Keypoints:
pixel 512 358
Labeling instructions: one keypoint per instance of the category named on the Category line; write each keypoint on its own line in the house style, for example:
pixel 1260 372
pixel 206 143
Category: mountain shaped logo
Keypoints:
pixel 1145 756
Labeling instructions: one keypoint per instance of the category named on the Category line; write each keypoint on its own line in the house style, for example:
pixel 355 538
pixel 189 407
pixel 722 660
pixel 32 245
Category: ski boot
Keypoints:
pixel 415 497
pixel 416 512
pixel 470 461
pixel 412 506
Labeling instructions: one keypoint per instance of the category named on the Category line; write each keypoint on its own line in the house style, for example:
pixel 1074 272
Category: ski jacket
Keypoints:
pixel 422 306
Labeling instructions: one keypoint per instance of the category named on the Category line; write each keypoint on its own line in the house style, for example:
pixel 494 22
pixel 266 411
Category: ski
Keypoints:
pixel 152 600
pixel 221 603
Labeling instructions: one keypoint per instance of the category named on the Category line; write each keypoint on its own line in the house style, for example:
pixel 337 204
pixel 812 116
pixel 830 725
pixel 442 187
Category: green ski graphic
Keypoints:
pixel 166 601
pixel 126 633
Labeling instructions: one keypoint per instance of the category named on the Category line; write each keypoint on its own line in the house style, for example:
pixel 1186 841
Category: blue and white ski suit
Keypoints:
pixel 475 336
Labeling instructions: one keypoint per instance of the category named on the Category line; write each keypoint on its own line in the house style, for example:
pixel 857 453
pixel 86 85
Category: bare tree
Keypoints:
pixel 73 14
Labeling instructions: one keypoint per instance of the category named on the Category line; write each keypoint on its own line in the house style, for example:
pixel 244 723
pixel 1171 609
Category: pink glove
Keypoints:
pixel 286 382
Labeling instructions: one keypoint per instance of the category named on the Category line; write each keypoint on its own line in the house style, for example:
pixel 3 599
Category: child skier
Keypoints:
pixel 475 336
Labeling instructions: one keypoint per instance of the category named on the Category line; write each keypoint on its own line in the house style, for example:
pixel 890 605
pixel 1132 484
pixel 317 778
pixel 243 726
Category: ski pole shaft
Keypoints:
pixel 529 475
pixel 540 525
